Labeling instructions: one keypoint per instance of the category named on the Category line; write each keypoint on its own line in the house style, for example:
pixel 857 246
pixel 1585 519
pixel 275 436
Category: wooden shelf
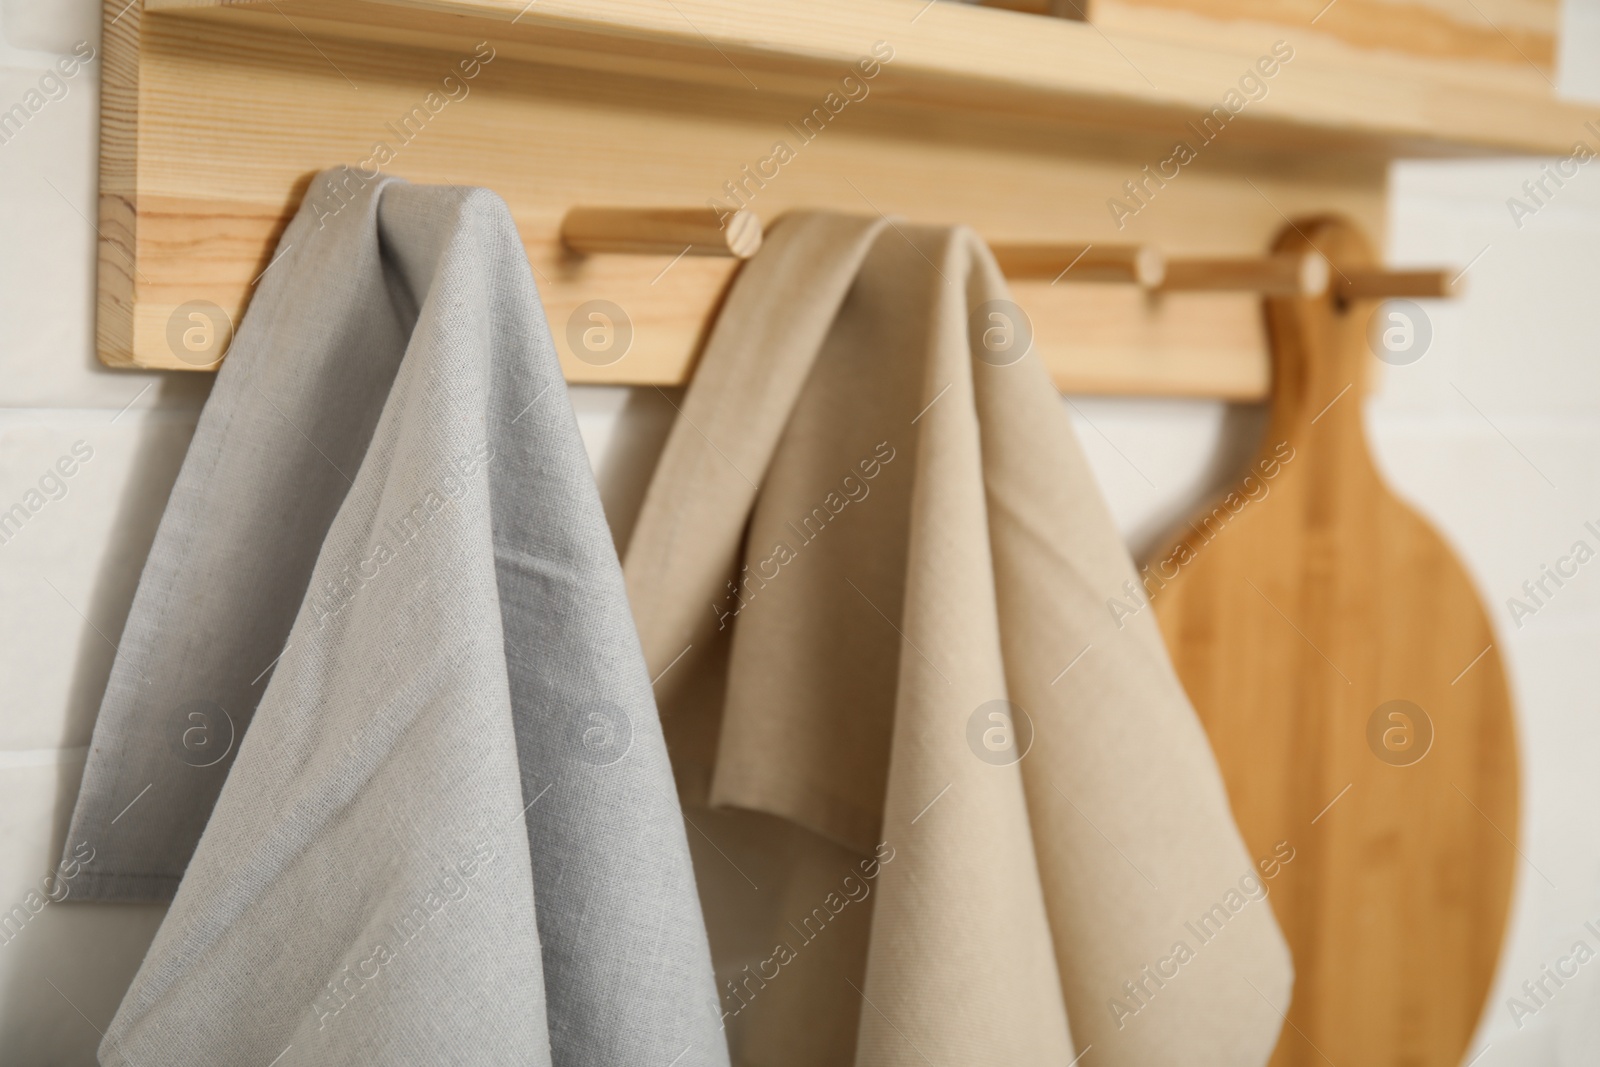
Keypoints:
pixel 998 62
pixel 216 115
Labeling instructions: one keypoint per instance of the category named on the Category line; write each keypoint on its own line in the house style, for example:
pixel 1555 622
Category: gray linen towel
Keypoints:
pixel 387 487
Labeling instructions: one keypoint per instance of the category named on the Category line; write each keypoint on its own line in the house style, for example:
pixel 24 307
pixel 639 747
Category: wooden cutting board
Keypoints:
pixel 1297 610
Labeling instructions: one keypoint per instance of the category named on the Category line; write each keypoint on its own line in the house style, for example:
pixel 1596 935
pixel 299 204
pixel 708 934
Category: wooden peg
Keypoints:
pixel 1375 282
pixel 1279 275
pixel 1139 264
pixel 691 231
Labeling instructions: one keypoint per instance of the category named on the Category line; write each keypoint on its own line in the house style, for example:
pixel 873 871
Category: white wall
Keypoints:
pixel 1510 482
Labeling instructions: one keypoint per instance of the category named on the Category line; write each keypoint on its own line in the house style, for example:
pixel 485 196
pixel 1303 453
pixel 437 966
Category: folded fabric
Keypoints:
pixel 381 656
pixel 876 571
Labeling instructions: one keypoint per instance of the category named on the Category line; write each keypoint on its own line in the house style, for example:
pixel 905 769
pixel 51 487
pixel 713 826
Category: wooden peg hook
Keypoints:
pixel 1377 283
pixel 1284 274
pixel 1305 274
pixel 1138 264
pixel 661 231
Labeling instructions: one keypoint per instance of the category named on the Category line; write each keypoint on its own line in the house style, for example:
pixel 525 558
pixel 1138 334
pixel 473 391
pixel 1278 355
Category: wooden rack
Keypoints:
pixel 1130 181
pixel 216 115
pixel 679 232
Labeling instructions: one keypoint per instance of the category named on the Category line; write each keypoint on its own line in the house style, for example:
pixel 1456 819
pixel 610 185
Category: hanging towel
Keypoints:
pixel 877 571
pixel 380 704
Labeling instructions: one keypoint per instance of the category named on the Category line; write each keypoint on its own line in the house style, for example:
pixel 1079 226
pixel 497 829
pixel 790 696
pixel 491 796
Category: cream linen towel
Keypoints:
pixel 447 834
pixel 870 524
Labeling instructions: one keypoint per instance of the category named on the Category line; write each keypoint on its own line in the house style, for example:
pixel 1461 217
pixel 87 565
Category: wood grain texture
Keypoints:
pixel 234 118
pixel 695 231
pixel 1078 263
pixel 216 117
pixel 117 247
pixel 1295 608
pixel 983 60
pixel 1299 275
pixel 1508 33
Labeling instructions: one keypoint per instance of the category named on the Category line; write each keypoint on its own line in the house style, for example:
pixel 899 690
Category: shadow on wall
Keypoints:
pixel 1238 437
pixel 69 963
pixel 629 463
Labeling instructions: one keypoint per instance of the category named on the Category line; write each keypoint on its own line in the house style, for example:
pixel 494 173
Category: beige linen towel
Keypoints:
pixel 871 575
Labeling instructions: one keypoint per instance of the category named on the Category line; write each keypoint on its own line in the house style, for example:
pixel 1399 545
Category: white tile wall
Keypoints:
pixel 63 973
pixel 68 573
pixel 1509 482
